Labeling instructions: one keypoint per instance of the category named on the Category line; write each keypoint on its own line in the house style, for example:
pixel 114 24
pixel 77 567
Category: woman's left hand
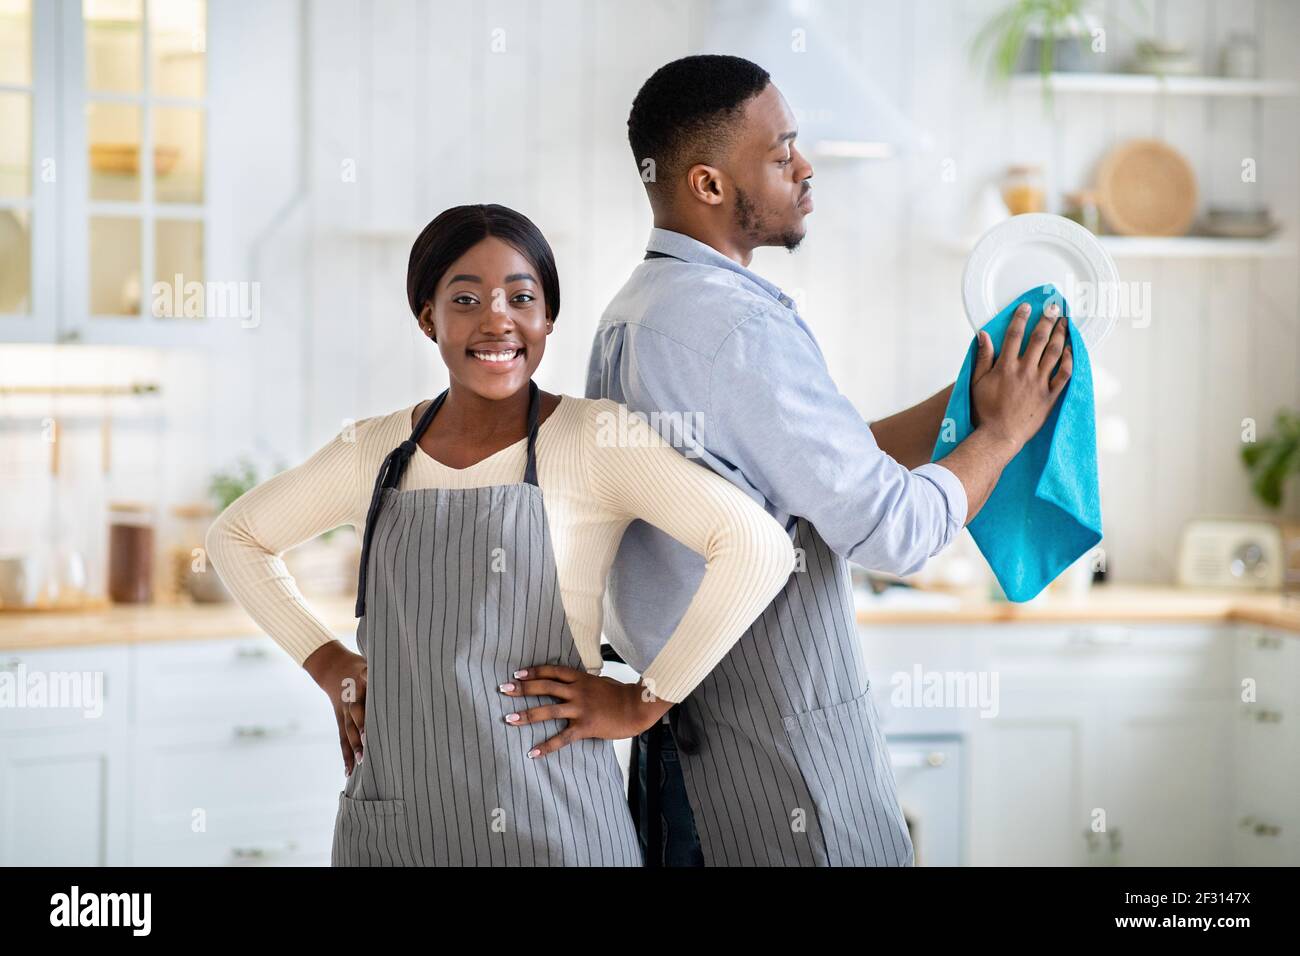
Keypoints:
pixel 594 706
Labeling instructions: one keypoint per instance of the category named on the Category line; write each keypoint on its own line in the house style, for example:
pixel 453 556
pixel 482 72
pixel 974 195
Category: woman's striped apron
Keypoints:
pixel 458 589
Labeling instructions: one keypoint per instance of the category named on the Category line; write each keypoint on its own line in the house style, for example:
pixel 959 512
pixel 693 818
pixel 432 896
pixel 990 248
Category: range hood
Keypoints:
pixel 842 112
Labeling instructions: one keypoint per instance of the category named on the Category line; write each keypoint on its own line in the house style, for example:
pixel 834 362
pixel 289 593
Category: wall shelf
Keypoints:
pixel 1197 247
pixel 1146 84
pixel 1174 247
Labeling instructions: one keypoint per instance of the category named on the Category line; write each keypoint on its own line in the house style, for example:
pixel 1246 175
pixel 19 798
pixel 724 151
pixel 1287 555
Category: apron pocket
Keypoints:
pixel 371 833
pixel 841 756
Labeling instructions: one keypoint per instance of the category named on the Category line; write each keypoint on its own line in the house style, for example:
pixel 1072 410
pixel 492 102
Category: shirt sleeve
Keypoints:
pixel 777 416
pixel 247 540
pixel 748 555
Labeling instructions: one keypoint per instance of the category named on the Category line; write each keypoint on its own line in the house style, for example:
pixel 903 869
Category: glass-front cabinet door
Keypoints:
pixel 136 99
pixel 103 170
pixel 29 118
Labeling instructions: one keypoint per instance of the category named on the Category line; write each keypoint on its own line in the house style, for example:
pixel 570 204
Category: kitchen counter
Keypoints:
pixel 143 624
pixel 1110 603
pixel 1105 603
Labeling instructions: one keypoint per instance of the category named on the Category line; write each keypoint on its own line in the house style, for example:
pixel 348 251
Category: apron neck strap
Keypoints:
pixel 534 416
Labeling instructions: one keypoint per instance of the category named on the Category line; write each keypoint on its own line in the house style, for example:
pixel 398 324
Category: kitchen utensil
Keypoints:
pixel 1165 58
pixel 1081 207
pixel 68 579
pixel 1146 188
pixel 1239 57
pixel 20 581
pixel 1035 250
pixel 1233 223
pixel 1231 553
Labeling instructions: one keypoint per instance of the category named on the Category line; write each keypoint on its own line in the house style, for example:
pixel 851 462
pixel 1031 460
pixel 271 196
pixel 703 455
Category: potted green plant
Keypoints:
pixel 1273 460
pixel 226 486
pixel 205 586
pixel 1042 35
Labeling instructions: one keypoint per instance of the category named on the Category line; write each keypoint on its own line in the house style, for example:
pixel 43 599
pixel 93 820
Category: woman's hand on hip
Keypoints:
pixel 341 674
pixel 594 706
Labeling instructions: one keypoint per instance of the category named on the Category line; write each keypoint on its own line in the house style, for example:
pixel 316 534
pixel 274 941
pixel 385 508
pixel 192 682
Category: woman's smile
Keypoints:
pixel 499 358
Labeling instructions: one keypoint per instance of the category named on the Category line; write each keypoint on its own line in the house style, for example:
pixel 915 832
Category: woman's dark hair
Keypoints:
pixel 456 230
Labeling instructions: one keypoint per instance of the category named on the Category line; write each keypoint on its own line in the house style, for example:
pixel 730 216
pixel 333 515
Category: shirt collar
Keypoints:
pixel 692 250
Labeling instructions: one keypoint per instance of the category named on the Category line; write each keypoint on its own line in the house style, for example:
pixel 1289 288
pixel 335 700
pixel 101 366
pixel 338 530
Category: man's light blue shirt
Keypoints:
pixel 739 383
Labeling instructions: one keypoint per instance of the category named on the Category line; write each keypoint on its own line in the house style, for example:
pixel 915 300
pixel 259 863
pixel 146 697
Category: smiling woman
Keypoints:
pixel 476 588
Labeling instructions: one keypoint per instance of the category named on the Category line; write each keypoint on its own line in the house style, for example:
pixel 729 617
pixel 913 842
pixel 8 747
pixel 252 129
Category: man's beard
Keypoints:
pixel 757 229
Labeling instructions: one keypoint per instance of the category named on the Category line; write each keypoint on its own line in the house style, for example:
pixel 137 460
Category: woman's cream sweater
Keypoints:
pixel 598 471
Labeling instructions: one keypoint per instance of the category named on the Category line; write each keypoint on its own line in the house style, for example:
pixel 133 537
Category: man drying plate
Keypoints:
pixel 777 758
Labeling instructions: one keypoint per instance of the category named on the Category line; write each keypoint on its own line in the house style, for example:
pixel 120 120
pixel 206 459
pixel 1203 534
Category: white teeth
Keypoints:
pixel 496 356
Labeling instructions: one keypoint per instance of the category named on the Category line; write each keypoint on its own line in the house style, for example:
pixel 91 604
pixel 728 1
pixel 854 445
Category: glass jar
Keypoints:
pixel 130 553
pixel 1023 191
pixel 1082 208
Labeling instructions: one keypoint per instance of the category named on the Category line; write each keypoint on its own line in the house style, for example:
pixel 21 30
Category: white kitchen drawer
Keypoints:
pixel 238 774
pixel 201 681
pixel 83 688
pixel 1114 659
pixel 305 844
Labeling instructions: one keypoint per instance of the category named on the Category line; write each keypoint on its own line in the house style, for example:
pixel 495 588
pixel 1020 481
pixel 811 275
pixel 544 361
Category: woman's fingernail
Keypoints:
pixel 512 718
pixel 358 755
pixel 534 753
pixel 1052 310
pixel 506 688
pixel 1022 309
pixel 521 673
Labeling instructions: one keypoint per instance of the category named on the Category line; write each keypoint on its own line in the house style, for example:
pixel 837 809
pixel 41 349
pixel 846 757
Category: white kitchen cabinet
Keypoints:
pixel 63 766
pixel 234 755
pixel 62 797
pixel 1166 785
pixel 102 226
pixel 1266 766
pixel 1030 795
pixel 1112 744
pixel 219 752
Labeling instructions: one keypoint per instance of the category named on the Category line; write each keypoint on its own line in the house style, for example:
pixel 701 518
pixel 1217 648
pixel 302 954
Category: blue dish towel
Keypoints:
pixel 1045 512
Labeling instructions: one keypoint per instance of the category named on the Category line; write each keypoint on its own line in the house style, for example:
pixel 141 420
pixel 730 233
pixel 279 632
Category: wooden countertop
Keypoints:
pixel 1110 603
pixel 1105 603
pixel 144 624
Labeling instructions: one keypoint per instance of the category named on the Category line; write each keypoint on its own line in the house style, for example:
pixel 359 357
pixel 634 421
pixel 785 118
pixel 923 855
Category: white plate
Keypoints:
pixel 1035 249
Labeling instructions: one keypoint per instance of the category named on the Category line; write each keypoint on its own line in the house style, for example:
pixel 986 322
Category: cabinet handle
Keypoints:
pixel 909 759
pixel 12 664
pixel 1259 828
pixel 1101 636
pixel 245 854
pixel 252 653
pixel 1268 716
pixel 263 732
pixel 1268 642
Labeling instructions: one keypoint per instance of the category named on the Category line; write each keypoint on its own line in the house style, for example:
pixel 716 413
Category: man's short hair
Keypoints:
pixel 686 112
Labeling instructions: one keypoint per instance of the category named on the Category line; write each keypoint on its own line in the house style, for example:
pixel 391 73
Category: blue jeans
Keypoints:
pixel 681 843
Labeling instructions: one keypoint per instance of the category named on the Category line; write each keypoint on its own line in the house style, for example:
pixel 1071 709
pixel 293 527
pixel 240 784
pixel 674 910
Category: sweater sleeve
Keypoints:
pixel 748 555
pixel 246 541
